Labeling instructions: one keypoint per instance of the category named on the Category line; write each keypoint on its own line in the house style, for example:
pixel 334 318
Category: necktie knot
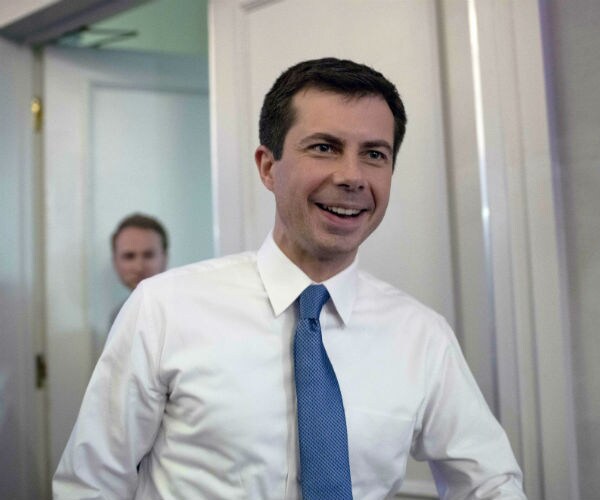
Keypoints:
pixel 312 300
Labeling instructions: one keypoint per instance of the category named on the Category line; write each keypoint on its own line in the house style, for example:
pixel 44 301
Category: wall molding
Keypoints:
pixel 249 5
pixel 525 271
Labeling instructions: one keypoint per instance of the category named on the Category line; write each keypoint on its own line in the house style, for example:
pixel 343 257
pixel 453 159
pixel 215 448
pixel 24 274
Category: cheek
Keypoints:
pixel 286 195
pixel 158 264
pixel 382 193
pixel 153 263
pixel 297 181
pixel 121 266
pixel 282 186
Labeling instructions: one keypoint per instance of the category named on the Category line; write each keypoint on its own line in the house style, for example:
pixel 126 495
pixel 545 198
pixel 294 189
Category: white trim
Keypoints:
pixel 249 5
pixel 471 266
pixel 226 157
pixel 482 167
pixel 549 288
pixel 504 130
pixel 22 407
pixel 492 87
pixel 529 294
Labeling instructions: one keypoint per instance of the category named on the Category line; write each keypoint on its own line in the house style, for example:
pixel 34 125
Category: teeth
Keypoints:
pixel 342 211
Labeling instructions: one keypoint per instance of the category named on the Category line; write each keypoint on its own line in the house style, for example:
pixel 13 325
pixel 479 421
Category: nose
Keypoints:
pixel 350 174
pixel 138 264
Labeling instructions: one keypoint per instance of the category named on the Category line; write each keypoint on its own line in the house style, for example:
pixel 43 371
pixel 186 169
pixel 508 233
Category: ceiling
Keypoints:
pixel 173 26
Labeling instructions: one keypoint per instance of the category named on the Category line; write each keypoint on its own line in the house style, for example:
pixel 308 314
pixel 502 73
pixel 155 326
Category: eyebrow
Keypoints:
pixel 377 144
pixel 336 141
pixel 322 136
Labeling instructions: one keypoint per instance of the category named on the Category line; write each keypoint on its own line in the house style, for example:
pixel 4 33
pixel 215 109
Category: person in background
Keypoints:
pixel 288 373
pixel 140 247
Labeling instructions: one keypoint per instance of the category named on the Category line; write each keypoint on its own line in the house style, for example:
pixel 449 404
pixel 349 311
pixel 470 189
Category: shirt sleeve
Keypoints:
pixel 121 410
pixel 467 449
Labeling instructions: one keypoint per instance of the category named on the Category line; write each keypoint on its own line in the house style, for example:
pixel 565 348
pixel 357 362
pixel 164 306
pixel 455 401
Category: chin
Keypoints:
pixel 335 251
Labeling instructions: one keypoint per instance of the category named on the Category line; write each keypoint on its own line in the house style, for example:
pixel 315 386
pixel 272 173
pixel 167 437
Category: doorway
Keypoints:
pixel 126 130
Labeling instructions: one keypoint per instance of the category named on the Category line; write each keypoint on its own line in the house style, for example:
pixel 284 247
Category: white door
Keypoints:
pixel 124 132
pixel 22 445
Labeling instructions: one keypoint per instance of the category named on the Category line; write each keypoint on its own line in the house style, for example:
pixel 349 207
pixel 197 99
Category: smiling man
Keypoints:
pixel 287 373
pixel 332 179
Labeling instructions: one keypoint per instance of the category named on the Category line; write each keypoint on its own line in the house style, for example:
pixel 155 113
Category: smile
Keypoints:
pixel 340 211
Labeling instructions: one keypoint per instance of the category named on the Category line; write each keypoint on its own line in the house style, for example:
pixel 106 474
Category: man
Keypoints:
pixel 230 378
pixel 139 249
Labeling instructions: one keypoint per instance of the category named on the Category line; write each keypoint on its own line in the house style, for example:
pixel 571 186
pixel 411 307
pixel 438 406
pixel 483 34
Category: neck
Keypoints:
pixel 320 271
pixel 317 268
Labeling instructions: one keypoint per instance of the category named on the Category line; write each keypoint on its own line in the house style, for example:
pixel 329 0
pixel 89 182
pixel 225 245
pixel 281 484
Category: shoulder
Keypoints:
pixel 226 271
pixel 398 307
pixel 374 288
pixel 219 266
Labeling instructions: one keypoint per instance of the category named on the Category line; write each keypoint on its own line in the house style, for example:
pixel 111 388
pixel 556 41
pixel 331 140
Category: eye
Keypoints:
pixel 373 154
pixel 322 148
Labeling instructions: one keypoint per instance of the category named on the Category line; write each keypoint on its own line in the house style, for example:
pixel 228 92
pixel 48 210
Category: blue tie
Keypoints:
pixel 324 464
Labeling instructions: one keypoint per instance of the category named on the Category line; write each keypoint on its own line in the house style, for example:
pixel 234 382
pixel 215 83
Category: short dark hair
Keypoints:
pixel 141 221
pixel 329 74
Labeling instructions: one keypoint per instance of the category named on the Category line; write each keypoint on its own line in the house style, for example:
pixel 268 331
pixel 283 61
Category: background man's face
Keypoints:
pixel 138 254
pixel 332 183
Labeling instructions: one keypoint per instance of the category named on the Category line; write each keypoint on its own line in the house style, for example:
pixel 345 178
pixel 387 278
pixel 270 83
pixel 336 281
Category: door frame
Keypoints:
pixel 22 313
pixel 70 77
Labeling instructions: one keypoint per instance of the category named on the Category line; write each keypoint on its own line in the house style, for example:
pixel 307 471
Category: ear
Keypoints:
pixel 264 162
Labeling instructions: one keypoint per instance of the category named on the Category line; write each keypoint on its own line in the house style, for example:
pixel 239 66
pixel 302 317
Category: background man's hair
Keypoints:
pixel 141 221
pixel 329 74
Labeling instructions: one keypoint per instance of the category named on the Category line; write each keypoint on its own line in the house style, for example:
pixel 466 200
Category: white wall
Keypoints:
pixel 573 41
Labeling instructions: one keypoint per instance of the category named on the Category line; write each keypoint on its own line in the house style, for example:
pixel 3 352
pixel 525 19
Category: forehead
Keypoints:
pixel 134 237
pixel 365 116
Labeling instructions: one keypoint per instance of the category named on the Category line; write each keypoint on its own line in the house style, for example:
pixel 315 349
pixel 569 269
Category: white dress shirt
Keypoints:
pixel 196 386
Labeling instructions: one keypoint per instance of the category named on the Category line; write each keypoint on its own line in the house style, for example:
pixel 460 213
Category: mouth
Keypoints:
pixel 341 211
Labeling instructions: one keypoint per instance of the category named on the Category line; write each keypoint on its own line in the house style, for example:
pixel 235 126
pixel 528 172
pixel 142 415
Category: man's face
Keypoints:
pixel 138 254
pixel 332 183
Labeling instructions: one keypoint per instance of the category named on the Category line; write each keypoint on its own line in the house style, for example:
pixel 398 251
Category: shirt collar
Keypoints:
pixel 284 281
